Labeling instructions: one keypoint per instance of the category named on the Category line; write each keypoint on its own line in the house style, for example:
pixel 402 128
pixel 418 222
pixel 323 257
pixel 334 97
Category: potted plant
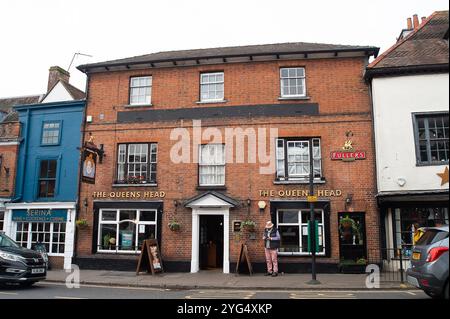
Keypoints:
pixel 348 229
pixel 82 223
pixel 174 225
pixel 248 225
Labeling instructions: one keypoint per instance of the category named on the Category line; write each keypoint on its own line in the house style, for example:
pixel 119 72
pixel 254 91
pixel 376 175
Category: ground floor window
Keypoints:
pixel 52 235
pixel 293 228
pixel 407 220
pixel 2 218
pixel 124 230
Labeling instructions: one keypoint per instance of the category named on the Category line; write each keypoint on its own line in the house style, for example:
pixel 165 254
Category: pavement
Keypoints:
pixel 215 279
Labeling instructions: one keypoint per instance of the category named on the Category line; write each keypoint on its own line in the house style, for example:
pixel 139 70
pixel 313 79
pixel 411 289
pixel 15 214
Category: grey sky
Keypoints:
pixel 36 34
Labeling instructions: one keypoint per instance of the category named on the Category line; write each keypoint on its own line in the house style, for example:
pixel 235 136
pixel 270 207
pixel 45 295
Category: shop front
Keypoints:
pixel 51 225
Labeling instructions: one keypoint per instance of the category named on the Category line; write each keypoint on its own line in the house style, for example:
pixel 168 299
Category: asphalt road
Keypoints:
pixel 46 290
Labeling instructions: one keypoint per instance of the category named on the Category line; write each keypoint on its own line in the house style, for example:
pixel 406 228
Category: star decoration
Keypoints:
pixel 444 176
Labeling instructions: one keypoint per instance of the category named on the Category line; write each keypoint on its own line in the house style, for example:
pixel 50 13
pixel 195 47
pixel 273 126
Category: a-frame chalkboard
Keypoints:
pixel 150 258
pixel 243 254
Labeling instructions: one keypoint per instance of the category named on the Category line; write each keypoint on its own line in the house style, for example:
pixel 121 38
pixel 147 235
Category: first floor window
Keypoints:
pixel 2 218
pixel 211 87
pixel 212 165
pixel 408 220
pixel 292 82
pixel 125 230
pixel 432 138
pixel 47 178
pixel 293 228
pixel 293 158
pixel 52 235
pixel 136 163
pixel 140 90
pixel 51 132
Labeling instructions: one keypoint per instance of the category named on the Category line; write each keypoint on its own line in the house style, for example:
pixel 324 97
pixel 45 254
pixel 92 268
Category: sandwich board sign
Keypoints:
pixel 150 258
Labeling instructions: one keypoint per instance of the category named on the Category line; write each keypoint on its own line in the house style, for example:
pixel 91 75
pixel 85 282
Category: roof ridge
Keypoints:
pixel 19 96
pixel 398 44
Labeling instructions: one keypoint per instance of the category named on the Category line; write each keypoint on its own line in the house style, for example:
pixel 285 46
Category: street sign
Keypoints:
pixel 311 199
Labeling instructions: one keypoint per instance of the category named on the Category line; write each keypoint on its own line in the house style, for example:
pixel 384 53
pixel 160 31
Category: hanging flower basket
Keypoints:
pixel 82 223
pixel 248 225
pixel 174 226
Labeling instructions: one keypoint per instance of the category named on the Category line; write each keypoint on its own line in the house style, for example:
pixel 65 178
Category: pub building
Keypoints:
pixel 200 148
pixel 43 210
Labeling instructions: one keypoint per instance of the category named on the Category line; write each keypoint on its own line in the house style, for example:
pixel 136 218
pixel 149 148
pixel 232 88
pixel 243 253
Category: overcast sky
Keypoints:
pixel 36 34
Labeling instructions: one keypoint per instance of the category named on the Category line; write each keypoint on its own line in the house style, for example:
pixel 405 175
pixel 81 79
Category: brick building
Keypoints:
pixel 285 101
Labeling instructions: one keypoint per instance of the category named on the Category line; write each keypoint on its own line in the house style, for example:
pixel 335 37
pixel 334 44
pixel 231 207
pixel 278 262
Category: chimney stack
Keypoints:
pixel 55 74
pixel 409 23
pixel 423 19
pixel 415 21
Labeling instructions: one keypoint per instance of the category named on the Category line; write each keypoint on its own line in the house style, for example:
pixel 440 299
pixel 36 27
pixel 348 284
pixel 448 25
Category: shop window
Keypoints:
pixel 293 159
pixel 140 90
pixel 51 133
pixel 47 178
pixel 212 165
pixel 293 228
pixel 136 163
pixel 52 235
pixel 212 87
pixel 432 138
pixel 2 218
pixel 407 221
pixel 292 82
pixel 125 230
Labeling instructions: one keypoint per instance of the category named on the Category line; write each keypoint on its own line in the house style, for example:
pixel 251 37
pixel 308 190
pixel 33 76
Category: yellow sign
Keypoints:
pixel 311 199
pixel 128 195
pixel 299 193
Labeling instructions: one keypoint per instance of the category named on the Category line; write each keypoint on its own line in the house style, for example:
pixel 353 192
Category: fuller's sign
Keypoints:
pixel 348 153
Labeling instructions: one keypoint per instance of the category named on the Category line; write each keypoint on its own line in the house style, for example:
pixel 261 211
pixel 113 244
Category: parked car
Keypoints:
pixel 18 264
pixel 429 262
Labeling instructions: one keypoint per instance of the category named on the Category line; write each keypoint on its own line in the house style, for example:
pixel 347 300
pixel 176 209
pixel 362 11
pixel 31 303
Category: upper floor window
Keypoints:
pixel 293 158
pixel 47 178
pixel 292 82
pixel 212 165
pixel 140 90
pixel 51 132
pixel 211 86
pixel 431 138
pixel 136 163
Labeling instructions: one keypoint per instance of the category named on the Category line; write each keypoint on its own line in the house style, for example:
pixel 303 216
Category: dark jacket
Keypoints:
pixel 275 235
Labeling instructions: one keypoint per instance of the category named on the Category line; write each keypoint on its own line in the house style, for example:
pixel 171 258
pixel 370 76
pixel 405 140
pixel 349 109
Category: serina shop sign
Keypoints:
pixel 40 215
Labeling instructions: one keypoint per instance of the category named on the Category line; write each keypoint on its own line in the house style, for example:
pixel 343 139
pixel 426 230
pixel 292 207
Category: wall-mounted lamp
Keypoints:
pixel 1 160
pixel 262 205
pixel 175 203
pixel 85 202
pixel 348 199
pixel 249 202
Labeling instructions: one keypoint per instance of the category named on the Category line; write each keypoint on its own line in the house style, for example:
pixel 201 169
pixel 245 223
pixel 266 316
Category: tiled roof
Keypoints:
pixel 267 49
pixel 425 46
pixel 6 105
pixel 76 93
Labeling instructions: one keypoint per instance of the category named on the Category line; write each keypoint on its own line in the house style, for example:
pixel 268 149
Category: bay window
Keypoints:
pixel 125 230
pixel 293 227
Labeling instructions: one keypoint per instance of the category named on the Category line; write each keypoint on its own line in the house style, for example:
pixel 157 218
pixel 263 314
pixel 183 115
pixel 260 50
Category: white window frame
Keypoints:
pixel 296 78
pixel 117 222
pixel 29 241
pixel 302 224
pixel 123 153
pixel 201 164
pixel 149 97
pixel 202 84
pixel 2 219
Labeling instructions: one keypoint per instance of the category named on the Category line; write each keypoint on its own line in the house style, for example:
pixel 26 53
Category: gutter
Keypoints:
pixel 405 70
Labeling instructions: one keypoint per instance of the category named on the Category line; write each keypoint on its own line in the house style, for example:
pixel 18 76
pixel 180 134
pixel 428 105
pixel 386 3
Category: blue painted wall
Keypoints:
pixel 31 152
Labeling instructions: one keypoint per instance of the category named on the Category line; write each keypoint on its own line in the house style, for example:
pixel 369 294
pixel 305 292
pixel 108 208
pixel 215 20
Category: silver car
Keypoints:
pixel 429 262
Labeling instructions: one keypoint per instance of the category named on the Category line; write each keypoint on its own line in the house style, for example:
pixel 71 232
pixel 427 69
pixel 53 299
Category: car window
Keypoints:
pixel 432 236
pixel 5 241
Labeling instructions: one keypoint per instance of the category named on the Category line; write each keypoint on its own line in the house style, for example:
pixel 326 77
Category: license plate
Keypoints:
pixel 416 256
pixel 38 271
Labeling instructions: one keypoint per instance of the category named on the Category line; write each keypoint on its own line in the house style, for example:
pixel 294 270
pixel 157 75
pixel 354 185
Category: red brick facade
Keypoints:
pixel 9 134
pixel 336 85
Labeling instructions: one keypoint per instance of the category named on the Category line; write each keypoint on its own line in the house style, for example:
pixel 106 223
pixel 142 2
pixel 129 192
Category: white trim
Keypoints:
pixel 35 205
pixel 9 143
pixel 196 213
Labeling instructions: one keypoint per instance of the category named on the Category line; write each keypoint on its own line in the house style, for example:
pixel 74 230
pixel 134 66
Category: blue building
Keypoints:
pixel 46 190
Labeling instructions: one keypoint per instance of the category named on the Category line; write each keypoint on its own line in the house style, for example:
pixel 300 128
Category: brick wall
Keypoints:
pixel 335 84
pixel 9 133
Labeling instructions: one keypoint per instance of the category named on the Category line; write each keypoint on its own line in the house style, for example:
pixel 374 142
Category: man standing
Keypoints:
pixel 271 244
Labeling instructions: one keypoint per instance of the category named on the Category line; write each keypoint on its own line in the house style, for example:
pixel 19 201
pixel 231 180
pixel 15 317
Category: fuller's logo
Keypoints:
pixel 348 152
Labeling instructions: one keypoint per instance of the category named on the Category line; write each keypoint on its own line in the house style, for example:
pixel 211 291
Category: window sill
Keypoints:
pixel 205 188
pixel 134 106
pixel 432 164
pixel 211 102
pixel 135 185
pixel 284 98
pixel 302 182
